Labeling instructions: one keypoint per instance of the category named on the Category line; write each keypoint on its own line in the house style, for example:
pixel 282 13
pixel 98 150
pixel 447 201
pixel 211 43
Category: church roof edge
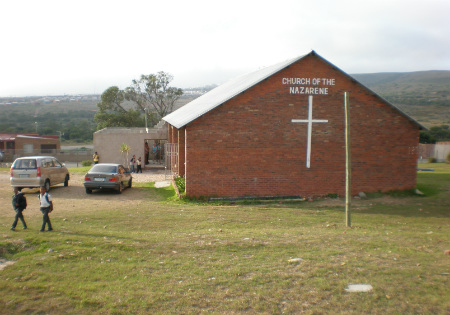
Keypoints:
pixel 208 101
pixel 223 93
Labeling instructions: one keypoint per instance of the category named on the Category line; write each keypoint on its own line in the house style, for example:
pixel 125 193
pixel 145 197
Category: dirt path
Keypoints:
pixel 74 198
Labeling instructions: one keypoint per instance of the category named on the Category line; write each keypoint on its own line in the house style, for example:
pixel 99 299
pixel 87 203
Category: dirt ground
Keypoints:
pixel 72 198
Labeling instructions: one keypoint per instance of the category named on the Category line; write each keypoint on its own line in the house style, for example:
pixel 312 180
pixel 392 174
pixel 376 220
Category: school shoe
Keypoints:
pixel 50 230
pixel 41 230
pixel 13 229
pixel 25 227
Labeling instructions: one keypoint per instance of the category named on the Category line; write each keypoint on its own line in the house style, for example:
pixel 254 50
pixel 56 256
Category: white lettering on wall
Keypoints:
pixel 307 90
pixel 308 86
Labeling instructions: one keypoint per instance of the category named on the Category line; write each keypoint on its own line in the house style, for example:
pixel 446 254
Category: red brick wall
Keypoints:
pixel 248 146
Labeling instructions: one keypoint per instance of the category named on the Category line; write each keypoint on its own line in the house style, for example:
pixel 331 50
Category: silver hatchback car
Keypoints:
pixel 37 171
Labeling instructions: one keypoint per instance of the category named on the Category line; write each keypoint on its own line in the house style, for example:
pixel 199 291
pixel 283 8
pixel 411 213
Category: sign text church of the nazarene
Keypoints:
pixel 308 86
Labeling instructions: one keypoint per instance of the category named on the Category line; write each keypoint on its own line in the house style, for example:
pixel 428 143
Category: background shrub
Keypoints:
pixel 86 163
pixel 180 184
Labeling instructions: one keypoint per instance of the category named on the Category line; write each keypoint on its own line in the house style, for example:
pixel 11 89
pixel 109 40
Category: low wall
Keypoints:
pixel 108 141
pixel 440 151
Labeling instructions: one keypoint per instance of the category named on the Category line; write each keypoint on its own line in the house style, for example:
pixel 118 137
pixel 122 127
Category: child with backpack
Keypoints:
pixel 46 206
pixel 19 203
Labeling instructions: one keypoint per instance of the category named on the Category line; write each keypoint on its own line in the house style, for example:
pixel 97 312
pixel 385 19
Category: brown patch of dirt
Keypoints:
pixel 68 199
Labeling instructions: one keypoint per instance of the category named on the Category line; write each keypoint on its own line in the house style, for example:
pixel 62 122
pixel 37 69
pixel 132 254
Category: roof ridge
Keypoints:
pixel 224 93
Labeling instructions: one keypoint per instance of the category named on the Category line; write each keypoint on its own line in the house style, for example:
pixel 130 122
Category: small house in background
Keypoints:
pixel 438 151
pixel 108 142
pixel 23 144
pixel 279 131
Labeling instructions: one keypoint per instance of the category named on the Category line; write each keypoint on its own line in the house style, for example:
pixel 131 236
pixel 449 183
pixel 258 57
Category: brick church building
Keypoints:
pixel 279 131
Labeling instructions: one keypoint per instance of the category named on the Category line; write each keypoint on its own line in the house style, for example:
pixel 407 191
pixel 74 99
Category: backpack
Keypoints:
pixel 24 202
pixel 21 200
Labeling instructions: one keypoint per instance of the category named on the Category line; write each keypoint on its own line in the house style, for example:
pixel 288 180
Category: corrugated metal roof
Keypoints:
pixel 11 136
pixel 230 89
pixel 208 101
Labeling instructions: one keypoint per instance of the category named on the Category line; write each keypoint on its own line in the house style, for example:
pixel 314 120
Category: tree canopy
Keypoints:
pixel 151 96
pixel 436 133
pixel 154 93
pixel 112 112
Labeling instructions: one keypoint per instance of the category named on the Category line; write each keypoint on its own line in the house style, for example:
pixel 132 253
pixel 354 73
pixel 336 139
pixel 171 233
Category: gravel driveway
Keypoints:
pixel 74 197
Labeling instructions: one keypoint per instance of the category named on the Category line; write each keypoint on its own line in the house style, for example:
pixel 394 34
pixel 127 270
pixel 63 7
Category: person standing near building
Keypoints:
pixel 147 152
pixel 96 158
pixel 155 151
pixel 46 206
pixel 158 152
pixel 19 203
pixel 133 164
pixel 139 165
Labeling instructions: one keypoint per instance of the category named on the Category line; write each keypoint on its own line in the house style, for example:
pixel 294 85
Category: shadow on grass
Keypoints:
pixel 407 211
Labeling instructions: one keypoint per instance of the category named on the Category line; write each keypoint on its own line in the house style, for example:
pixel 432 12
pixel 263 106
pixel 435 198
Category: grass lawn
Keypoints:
pixel 173 257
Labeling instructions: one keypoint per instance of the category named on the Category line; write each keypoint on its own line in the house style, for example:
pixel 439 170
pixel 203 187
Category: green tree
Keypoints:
pixel 80 131
pixel 441 133
pixel 152 93
pixel 112 112
pixel 426 137
pixel 125 150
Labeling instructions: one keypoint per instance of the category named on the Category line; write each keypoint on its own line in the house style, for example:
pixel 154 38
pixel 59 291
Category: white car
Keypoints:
pixel 37 171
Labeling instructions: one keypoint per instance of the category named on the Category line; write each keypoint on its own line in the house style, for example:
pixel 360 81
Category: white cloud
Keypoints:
pixel 56 47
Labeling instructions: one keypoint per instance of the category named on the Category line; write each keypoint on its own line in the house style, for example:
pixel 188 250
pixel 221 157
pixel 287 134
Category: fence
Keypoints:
pixel 64 156
pixel 171 158
pixel 439 151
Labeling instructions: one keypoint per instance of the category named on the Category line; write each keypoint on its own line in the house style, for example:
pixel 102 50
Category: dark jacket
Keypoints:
pixel 20 200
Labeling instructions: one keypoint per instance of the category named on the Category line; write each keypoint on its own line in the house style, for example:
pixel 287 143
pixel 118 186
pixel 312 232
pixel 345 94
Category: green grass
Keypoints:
pixel 80 170
pixel 179 257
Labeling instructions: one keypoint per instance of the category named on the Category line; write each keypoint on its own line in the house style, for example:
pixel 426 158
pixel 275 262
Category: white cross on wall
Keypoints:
pixel 310 121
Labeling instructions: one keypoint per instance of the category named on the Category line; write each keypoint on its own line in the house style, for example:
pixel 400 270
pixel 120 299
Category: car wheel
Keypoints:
pixel 47 185
pixel 88 191
pixel 120 189
pixel 130 183
pixel 66 181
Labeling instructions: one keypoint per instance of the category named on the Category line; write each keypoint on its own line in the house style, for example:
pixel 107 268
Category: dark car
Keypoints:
pixel 109 176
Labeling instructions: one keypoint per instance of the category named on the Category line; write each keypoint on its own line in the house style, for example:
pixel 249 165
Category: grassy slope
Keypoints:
pixel 424 95
pixel 170 258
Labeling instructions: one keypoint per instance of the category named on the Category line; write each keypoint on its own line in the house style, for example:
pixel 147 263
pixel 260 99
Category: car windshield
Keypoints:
pixel 103 169
pixel 25 164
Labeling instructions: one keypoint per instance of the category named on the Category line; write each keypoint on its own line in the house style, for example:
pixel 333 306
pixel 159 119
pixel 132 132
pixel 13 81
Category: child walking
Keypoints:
pixel 46 206
pixel 19 203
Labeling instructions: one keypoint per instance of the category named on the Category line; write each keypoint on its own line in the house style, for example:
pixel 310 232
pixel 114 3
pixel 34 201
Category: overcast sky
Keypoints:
pixel 51 47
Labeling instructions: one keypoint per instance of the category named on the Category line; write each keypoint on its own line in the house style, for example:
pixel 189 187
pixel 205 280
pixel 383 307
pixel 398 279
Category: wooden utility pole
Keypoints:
pixel 348 173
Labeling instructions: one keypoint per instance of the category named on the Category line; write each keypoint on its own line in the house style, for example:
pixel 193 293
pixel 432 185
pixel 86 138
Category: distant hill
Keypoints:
pixel 424 95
